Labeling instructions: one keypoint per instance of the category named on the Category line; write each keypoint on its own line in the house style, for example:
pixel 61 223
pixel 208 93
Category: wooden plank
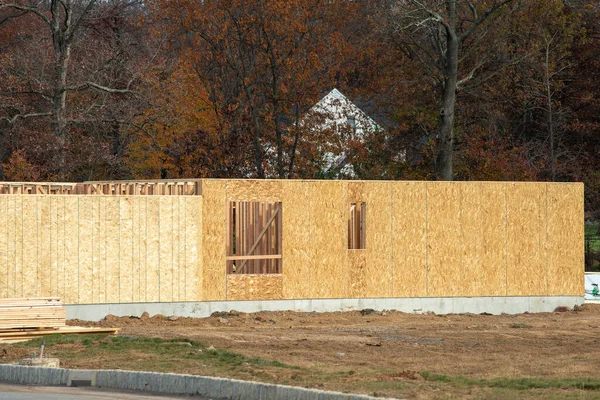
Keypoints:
pixel 255 257
pixel 18 246
pixel 257 240
pixel 179 247
pixel 214 208
pixel 193 244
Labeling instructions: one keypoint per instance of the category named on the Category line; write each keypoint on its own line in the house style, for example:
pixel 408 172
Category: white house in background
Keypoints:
pixel 338 115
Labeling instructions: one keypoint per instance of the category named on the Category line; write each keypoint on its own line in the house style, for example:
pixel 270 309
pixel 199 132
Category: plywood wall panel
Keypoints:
pixel 378 278
pixel 410 239
pixel 135 248
pixel 565 238
pixel 296 240
pixel 60 246
pixel 193 243
pixel 254 190
pixel 53 253
pixel 494 225
pixel 44 215
pixel 214 234
pixel 86 249
pixel 4 248
pixel 166 249
pixel 113 251
pixel 71 294
pixel 11 227
pixel 444 237
pixel 143 249
pixel 99 250
pixel 30 269
pixel 526 236
pixel 178 249
pixel 153 250
pixel 255 287
pixel 471 245
pixel 126 249
pixel 328 239
pixel 19 246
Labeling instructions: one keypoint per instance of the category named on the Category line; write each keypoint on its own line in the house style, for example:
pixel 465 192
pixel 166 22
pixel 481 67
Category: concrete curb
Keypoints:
pixel 214 388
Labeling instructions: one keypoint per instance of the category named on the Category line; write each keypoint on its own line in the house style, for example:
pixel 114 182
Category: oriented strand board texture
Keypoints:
pixel 328 240
pixel 444 240
pixel 295 240
pixel 565 235
pixel 471 241
pixel 409 239
pixel 527 267
pixel 254 190
pixel 214 233
pixel 255 287
pixel 374 278
pixel 100 249
pixel 494 225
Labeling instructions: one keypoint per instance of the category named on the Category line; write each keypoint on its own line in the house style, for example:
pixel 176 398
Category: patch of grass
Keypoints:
pixel 519 325
pixel 516 383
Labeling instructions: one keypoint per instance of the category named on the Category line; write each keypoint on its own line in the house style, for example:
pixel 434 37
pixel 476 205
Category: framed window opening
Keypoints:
pixel 357 226
pixel 254 237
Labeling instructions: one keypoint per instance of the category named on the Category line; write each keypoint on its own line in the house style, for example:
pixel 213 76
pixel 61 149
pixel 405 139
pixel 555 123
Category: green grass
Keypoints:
pixel 182 355
pixel 517 383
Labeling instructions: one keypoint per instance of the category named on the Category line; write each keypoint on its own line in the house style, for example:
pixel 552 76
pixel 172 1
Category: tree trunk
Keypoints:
pixel 445 142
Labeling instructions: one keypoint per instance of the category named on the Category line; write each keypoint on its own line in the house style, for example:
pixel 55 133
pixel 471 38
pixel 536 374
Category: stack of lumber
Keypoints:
pixel 45 312
pixel 28 318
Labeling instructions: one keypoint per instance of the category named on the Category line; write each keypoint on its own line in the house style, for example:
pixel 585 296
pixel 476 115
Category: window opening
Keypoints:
pixel 254 237
pixel 357 221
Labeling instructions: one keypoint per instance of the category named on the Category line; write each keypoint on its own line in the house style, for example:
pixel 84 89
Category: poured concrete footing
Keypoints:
pixel 438 305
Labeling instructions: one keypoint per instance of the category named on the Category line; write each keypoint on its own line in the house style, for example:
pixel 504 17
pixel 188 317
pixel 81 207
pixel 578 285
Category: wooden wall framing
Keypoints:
pixel 423 239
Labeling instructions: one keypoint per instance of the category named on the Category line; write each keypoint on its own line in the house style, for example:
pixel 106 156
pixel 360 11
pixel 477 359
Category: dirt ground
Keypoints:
pixel 559 344
pixel 393 346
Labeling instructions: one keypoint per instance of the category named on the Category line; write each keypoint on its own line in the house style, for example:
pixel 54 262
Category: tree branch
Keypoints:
pixel 482 19
pixel 25 116
pixel 26 9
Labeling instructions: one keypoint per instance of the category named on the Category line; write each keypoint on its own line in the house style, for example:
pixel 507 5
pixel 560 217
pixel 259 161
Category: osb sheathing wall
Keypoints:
pixel 101 249
pixel 424 239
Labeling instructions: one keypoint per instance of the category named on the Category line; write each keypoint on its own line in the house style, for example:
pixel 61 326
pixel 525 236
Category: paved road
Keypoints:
pixel 22 392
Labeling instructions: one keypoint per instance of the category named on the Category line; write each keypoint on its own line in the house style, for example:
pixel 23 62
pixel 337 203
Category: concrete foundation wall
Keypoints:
pixel 439 305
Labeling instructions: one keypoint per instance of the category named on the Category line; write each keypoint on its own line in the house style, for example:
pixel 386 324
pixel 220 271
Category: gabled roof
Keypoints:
pixel 337 109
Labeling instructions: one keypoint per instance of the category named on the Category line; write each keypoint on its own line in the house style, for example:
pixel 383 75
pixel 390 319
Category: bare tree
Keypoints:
pixel 435 32
pixel 64 21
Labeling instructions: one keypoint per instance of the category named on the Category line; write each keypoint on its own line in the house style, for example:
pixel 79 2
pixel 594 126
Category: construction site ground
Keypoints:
pixel 428 356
